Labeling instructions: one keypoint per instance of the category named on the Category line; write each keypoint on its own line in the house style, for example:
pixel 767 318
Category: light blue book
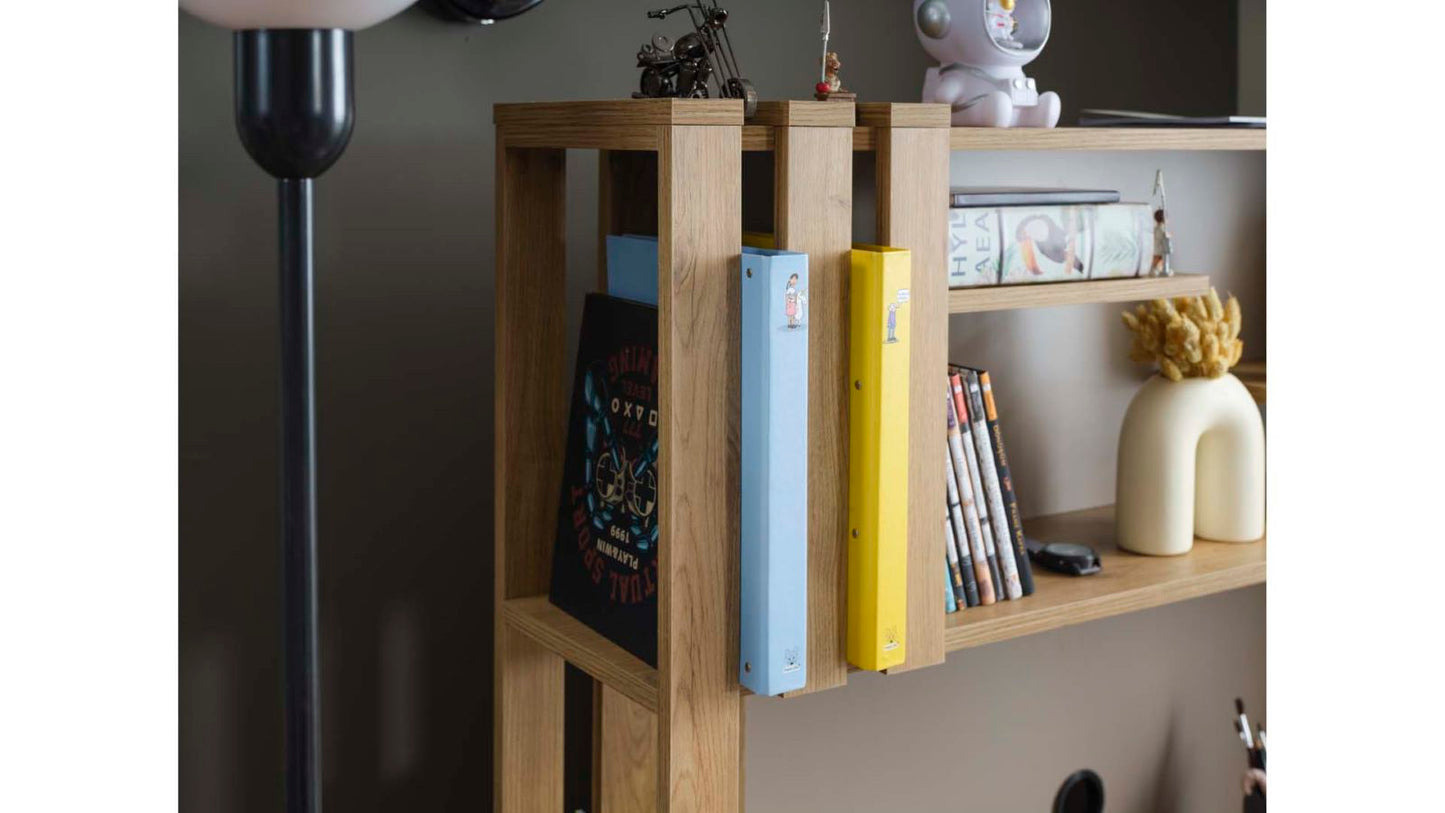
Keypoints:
pixel 774 498
pixel 949 602
pixel 774 392
pixel 632 267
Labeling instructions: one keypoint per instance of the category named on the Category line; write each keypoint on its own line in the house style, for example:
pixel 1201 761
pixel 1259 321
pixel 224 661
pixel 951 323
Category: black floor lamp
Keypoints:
pixel 294 112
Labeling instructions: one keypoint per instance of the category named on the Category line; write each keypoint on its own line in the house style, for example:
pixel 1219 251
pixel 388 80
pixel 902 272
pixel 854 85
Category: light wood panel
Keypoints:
pixel 619 113
pixel 624 770
pixel 912 202
pixel 530 422
pixel 1251 373
pixel 902 114
pixel 1057 294
pixel 527 725
pixel 1127 583
pixel 813 213
pixel 700 233
pixel 795 113
pixel 531 394
pixel 1106 138
pixel 583 647
pixel 1085 138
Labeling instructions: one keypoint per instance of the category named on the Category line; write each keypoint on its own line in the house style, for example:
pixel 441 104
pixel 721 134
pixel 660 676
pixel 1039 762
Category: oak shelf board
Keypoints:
pixel 1056 294
pixel 1127 583
pixel 583 647
pixel 1251 374
pixel 1107 138
pixel 616 124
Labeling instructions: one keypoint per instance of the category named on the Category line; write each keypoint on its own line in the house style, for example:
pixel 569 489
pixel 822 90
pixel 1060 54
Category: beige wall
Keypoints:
pixel 404 247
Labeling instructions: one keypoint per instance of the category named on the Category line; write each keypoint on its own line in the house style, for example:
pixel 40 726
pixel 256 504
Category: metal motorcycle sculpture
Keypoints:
pixel 683 69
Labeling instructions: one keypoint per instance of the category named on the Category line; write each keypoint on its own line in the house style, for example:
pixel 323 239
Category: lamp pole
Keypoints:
pixel 294 113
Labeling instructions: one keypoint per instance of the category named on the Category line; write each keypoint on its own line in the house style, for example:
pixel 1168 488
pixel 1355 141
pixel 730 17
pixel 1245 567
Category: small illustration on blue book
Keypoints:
pixel 792 661
pixel 794 303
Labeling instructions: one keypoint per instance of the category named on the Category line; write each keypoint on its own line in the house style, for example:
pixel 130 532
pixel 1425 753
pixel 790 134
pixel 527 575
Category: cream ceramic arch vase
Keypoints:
pixel 1191 463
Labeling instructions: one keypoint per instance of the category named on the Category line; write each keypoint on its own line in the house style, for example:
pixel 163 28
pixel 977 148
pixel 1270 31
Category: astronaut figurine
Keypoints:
pixel 982 46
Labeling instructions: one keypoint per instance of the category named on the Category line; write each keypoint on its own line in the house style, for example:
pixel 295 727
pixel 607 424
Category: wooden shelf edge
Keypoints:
pixel 1128 582
pixel 1107 138
pixel 583 647
pixel 1085 292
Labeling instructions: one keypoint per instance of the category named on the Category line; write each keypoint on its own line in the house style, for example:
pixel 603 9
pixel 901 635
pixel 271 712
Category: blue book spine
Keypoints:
pixel 774 394
pixel 632 267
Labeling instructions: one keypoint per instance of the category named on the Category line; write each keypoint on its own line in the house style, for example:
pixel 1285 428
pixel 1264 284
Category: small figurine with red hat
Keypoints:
pixel 830 87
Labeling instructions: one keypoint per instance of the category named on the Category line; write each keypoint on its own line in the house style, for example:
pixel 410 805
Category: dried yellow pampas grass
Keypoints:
pixel 1188 337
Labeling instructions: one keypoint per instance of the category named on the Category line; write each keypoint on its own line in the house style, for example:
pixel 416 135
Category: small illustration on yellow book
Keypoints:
pixel 1039 234
pixel 794 302
pixel 890 639
pixel 892 324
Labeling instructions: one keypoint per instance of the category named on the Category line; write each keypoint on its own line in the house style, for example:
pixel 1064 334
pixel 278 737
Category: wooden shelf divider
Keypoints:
pixel 1127 583
pixel 1056 294
pixel 580 645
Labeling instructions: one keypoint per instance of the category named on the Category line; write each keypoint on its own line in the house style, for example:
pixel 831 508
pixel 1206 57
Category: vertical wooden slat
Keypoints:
pixel 813 210
pixel 624 754
pixel 913 214
pixel 700 230
pixel 529 725
pixel 531 401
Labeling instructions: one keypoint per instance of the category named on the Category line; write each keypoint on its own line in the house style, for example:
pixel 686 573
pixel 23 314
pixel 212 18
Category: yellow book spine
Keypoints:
pixel 878 458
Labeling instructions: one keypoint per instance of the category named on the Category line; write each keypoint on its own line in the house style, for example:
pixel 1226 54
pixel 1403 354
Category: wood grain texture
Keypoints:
pixel 583 647
pixel 585 137
pixel 757 138
pixel 1106 138
pixel 912 171
pixel 528 718
pixel 700 233
pixel 1085 138
pixel 531 386
pixel 903 114
pixel 626 199
pixel 794 113
pixel 1251 374
pixel 1128 582
pixel 624 772
pixel 530 422
pixel 619 113
pixel 1057 294
pixel 813 212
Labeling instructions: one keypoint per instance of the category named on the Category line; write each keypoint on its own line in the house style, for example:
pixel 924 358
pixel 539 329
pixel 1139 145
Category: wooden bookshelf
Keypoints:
pixel 1128 582
pixel 671 737
pixel 1056 294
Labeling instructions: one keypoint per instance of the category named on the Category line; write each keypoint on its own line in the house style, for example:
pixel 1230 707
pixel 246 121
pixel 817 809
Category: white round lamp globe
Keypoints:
pixel 244 15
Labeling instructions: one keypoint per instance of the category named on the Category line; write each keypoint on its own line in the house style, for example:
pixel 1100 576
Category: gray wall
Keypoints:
pixel 405 356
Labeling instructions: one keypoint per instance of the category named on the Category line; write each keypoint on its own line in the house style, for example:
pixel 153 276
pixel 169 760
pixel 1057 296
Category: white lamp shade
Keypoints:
pixel 251 14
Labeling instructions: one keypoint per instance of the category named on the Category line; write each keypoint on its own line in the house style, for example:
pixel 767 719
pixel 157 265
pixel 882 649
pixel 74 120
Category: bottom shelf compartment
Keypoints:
pixel 1128 582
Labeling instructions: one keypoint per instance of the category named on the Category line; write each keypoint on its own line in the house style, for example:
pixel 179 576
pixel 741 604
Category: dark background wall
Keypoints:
pixel 405 350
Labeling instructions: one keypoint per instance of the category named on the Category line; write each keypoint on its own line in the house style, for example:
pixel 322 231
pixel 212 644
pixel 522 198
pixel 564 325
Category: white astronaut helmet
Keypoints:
pixel 969 32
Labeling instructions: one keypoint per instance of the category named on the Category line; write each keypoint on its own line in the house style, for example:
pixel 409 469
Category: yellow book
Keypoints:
pixel 878 457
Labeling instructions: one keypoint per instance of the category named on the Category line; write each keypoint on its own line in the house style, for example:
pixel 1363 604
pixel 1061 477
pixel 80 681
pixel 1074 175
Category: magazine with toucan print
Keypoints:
pixel 1033 241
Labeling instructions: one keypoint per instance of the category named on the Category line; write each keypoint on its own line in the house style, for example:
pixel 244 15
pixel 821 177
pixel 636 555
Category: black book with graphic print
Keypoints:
pixel 604 564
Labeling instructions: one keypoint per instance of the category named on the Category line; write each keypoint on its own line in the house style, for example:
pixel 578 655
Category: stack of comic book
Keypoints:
pixel 987 560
